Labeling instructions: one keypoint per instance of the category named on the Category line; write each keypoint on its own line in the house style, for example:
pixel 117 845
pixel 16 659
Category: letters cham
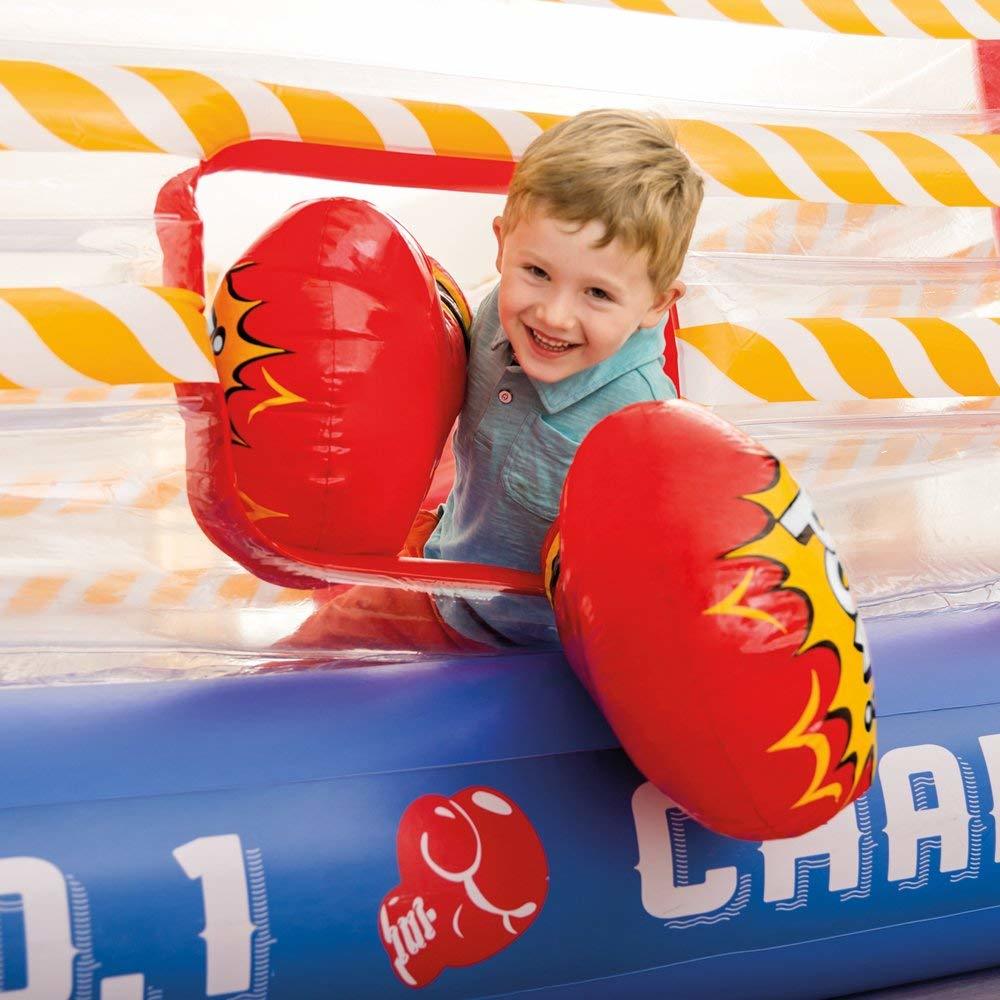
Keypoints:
pixel 930 796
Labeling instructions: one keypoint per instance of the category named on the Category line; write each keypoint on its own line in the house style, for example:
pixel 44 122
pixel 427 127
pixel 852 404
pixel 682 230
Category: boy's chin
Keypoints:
pixel 545 374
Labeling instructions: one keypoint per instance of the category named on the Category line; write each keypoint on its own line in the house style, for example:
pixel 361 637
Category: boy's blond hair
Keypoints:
pixel 621 168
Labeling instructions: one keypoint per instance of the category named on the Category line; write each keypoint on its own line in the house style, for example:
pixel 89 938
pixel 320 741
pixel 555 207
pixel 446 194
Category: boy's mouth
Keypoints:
pixel 550 346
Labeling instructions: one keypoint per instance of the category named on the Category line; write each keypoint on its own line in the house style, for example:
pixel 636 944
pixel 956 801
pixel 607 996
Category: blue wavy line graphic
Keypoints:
pixel 803 866
pixel 866 847
pixel 927 848
pixel 262 939
pixel 678 841
pixel 83 940
pixel 730 910
pixel 977 825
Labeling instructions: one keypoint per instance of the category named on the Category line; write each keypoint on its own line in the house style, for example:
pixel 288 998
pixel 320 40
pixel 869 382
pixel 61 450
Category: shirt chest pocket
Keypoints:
pixel 536 466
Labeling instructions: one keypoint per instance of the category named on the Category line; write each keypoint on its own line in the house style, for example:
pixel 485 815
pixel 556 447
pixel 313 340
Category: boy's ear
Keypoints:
pixel 662 302
pixel 498 232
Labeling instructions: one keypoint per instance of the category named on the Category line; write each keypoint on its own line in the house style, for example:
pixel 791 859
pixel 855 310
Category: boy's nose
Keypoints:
pixel 557 313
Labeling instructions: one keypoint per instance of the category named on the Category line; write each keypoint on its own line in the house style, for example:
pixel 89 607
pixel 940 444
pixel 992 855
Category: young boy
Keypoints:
pixel 598 218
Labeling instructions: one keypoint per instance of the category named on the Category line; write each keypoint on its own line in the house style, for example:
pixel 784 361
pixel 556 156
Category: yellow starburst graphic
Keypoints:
pixel 795 540
pixel 452 298
pixel 257 511
pixel 730 604
pixel 281 397
pixel 233 347
pixel 550 570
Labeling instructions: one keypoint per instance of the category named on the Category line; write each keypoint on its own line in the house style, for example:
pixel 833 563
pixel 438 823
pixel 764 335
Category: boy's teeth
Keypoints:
pixel 552 345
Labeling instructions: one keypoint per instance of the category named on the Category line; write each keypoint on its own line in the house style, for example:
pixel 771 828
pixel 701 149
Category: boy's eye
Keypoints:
pixel 535 271
pixel 600 293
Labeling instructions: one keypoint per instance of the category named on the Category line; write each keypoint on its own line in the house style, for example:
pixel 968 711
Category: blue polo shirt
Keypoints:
pixel 513 446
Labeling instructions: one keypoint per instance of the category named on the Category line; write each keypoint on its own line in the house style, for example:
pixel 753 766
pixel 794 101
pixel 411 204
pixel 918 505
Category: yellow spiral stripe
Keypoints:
pixel 754 362
pixel 90 496
pixel 190 309
pixel 84 335
pixel 36 594
pixel 72 108
pixel 848 165
pixel 858 357
pixel 751 361
pixel 543 119
pixel 936 171
pixel 747 11
pixel 212 114
pixel 110 588
pixel 23 500
pixel 646 6
pixel 989 144
pixel 458 131
pixel 931 17
pixel 731 160
pixel 958 361
pixel 323 117
pixel 836 164
pixel 239 588
pixel 175 589
pixel 28 397
pixel 843 16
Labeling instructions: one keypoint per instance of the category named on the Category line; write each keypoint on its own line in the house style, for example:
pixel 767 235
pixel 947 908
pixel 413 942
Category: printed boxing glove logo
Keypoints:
pixel 473 877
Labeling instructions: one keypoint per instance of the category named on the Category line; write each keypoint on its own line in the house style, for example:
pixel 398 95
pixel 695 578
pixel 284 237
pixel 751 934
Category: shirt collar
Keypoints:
pixel 644 346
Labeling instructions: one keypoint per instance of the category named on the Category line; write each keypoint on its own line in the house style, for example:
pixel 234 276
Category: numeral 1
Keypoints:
pixel 228 934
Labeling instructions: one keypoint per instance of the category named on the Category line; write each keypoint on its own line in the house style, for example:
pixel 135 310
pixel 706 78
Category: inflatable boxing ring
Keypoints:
pixel 178 822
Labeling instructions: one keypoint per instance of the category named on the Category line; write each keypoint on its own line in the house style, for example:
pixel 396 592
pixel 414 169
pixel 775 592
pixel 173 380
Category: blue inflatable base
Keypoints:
pixel 238 837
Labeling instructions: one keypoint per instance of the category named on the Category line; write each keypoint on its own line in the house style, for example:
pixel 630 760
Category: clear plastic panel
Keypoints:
pixel 104 573
pixel 77 185
pixel 103 570
pixel 908 488
pixel 750 259
pixel 68 219
pixel 71 252
pixel 742 288
pixel 808 229
pixel 455 227
pixel 539 57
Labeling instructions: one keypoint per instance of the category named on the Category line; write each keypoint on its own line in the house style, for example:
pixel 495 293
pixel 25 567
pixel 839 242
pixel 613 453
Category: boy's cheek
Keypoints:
pixel 508 321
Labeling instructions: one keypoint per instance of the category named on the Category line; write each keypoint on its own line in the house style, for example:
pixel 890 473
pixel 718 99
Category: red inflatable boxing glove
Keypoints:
pixel 702 604
pixel 341 358
pixel 473 877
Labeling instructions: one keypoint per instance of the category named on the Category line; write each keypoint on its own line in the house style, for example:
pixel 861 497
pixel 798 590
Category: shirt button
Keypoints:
pixel 505 396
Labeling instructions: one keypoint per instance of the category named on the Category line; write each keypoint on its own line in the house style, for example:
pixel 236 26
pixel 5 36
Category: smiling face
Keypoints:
pixel 567 304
